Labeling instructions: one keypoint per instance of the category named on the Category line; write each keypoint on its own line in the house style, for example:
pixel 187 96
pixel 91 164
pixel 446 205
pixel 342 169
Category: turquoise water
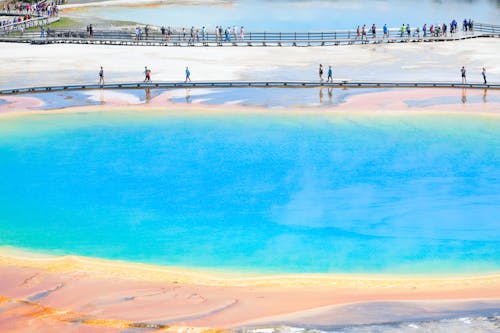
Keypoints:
pixel 263 192
pixel 302 15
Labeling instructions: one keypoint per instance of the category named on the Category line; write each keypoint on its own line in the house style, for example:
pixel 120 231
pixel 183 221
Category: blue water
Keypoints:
pixel 263 192
pixel 301 15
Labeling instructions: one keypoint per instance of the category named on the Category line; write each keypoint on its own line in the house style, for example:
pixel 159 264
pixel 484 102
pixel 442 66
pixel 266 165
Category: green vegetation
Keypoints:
pixel 66 23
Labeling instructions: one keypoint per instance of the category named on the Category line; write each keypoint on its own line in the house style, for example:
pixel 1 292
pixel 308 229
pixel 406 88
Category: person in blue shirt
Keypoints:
pixel 188 75
pixel 330 74
pixel 386 31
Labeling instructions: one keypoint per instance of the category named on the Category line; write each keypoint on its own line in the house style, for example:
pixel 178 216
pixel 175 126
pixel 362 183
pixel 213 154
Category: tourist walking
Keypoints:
pixel 147 74
pixel 42 31
pixel 358 32
pixel 330 74
pixel 483 73
pixel 188 75
pixel 163 30
pixel 408 30
pixel 386 31
pixel 363 32
pixel 234 33
pixel 424 30
pixel 242 33
pixel 402 30
pixel 320 73
pixel 464 77
pixel 169 34
pixel 374 31
pixel 137 33
pixel 101 76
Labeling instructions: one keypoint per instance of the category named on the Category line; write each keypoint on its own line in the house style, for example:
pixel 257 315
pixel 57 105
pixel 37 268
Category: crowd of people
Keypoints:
pixel 42 8
pixel 28 11
pixel 434 30
pixel 237 34
pixel 193 34
pixel 16 19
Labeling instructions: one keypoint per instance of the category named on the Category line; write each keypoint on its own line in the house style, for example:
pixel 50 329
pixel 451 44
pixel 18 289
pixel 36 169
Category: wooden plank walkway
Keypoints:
pixel 251 84
pixel 154 38
pixel 6 30
pixel 79 38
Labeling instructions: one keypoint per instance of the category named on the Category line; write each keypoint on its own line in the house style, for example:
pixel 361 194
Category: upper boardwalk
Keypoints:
pixel 251 84
pixel 34 20
pixel 186 38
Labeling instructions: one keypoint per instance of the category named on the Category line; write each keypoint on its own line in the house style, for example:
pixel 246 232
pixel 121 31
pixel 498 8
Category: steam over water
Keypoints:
pixel 300 15
pixel 264 192
pixel 462 325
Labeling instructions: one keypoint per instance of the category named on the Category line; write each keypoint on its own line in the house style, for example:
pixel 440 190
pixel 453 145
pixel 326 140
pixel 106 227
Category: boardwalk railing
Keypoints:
pixel 252 84
pixel 185 38
pixel 488 28
pixel 31 23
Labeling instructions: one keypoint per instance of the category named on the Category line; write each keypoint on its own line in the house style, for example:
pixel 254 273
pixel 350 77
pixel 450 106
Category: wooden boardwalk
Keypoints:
pixel 250 84
pixel 154 38
pixel 12 28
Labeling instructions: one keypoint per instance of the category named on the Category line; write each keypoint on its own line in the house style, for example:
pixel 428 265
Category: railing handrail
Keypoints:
pixel 252 84
pixel 36 19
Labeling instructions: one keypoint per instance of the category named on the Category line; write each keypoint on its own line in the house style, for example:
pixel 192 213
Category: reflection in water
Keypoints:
pixel 330 96
pixel 485 91
pixel 188 96
pixel 148 95
pixel 464 95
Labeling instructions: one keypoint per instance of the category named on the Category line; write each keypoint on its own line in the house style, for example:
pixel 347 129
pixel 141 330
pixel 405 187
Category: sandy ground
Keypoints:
pixel 71 293
pixel 29 65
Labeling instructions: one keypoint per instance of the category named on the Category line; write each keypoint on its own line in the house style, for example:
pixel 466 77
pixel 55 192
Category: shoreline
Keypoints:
pixel 126 294
pixel 211 276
